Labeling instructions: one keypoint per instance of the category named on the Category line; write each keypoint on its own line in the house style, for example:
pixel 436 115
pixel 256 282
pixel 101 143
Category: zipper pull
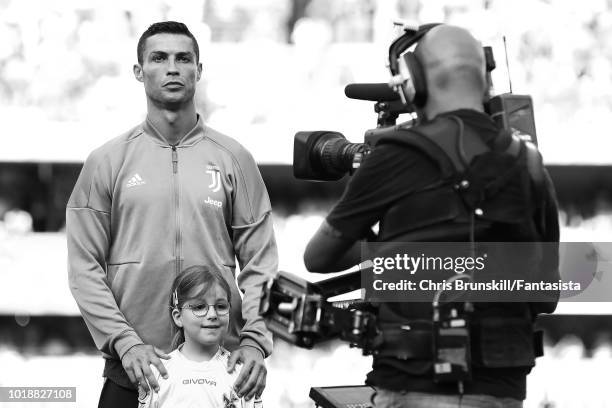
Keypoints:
pixel 174 160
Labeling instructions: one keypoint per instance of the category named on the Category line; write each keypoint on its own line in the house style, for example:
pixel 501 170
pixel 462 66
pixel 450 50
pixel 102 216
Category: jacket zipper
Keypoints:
pixel 177 212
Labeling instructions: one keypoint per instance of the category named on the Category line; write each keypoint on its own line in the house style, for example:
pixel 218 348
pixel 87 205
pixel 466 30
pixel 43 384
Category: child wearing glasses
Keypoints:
pixel 197 370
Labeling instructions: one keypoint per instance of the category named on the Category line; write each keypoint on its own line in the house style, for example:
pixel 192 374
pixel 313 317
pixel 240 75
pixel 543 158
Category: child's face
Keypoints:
pixel 207 331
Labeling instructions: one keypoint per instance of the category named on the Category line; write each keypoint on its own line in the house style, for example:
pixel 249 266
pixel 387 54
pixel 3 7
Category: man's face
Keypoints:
pixel 169 70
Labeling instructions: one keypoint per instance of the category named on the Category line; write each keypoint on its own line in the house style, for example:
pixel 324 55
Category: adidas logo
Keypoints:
pixel 136 180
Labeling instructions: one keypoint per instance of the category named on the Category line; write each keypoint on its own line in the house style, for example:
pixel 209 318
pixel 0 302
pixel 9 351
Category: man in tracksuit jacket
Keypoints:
pixel 168 194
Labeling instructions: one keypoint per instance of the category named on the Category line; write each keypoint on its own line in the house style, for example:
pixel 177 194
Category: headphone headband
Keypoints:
pixel 406 41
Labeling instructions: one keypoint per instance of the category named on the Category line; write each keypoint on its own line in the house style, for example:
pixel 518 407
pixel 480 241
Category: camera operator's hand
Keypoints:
pixel 136 362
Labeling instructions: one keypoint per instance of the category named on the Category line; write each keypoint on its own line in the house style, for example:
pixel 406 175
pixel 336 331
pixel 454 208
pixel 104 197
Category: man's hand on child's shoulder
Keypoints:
pixel 137 362
pixel 252 378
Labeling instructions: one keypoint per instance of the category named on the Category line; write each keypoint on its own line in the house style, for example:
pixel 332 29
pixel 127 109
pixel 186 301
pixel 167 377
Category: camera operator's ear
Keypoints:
pixel 138 74
pixel 199 70
pixel 421 116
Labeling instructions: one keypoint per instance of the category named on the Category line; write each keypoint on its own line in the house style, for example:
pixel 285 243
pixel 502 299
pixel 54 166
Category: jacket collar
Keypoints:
pixel 192 137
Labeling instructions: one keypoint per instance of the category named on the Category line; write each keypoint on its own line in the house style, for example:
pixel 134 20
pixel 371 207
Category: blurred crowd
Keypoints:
pixel 71 60
pixel 292 371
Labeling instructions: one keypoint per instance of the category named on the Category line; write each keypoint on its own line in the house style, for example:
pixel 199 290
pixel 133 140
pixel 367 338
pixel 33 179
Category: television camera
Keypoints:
pixel 299 311
pixel 328 156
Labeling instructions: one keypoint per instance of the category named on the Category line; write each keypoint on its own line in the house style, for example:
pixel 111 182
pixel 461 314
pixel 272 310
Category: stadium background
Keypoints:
pixel 272 68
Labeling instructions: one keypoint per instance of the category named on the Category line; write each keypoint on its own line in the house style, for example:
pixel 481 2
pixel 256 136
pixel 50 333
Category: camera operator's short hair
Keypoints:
pixel 165 27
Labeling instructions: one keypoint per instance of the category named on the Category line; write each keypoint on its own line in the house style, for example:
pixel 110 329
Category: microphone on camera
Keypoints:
pixel 371 92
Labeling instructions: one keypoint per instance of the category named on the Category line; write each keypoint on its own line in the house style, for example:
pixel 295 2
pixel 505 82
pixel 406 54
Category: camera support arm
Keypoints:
pixel 298 311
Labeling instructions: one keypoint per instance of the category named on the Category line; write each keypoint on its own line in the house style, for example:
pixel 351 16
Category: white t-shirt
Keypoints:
pixel 192 384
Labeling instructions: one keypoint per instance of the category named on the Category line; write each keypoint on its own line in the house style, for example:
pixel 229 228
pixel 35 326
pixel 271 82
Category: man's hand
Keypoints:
pixel 137 361
pixel 252 379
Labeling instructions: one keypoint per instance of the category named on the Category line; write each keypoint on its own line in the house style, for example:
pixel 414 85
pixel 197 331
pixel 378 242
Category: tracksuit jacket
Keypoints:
pixel 142 211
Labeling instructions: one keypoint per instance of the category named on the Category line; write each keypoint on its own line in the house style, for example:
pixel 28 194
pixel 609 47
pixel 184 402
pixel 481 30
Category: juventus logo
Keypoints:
pixel 215 176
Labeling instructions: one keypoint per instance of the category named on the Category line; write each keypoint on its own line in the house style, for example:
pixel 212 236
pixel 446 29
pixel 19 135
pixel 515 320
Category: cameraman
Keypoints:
pixel 402 185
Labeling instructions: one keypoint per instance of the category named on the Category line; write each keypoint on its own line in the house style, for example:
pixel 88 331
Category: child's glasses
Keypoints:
pixel 201 310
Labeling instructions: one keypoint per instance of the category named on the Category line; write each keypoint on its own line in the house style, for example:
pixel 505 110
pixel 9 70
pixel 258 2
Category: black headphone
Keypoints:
pixel 408 72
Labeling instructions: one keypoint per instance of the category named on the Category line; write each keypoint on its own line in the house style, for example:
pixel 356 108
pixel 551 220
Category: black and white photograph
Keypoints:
pixel 305 203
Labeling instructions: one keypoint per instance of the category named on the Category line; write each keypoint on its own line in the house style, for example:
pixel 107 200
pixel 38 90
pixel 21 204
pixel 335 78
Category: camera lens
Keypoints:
pixel 335 154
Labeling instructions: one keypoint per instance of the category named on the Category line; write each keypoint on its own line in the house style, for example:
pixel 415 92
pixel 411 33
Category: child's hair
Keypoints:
pixel 182 290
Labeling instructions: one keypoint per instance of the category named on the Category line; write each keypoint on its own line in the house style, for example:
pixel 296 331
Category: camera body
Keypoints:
pixel 329 156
